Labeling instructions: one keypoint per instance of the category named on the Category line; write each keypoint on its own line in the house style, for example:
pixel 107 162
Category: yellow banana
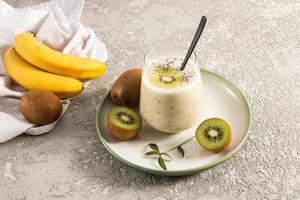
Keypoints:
pixel 31 77
pixel 54 61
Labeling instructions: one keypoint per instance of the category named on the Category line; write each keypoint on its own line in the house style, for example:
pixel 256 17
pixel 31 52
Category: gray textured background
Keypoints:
pixel 254 43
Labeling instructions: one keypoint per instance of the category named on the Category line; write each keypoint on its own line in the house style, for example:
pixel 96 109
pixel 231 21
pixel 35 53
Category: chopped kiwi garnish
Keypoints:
pixel 123 122
pixel 214 134
pixel 166 77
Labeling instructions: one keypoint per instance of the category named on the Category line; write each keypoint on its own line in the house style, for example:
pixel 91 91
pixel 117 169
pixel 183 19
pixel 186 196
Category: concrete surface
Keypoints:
pixel 254 43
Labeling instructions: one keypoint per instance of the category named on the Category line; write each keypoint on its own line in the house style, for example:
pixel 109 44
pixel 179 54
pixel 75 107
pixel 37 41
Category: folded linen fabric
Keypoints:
pixel 57 24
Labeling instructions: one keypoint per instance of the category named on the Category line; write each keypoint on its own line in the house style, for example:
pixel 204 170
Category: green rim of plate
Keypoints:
pixel 180 172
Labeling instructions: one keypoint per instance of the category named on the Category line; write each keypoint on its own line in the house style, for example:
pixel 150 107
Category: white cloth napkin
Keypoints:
pixel 56 23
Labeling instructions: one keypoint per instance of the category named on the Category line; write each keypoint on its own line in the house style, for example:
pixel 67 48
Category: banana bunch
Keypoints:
pixel 33 65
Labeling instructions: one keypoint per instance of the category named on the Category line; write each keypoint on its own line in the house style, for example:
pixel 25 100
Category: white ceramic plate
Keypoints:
pixel 221 99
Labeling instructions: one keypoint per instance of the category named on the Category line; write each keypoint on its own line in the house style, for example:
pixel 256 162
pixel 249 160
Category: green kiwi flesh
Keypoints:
pixel 166 77
pixel 123 122
pixel 214 134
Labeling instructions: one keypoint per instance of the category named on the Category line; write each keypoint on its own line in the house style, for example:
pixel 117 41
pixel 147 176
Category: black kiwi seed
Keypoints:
pixel 216 138
pixel 125 118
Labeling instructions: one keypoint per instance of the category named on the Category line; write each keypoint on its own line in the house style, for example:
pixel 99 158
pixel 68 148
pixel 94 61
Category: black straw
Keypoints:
pixel 194 42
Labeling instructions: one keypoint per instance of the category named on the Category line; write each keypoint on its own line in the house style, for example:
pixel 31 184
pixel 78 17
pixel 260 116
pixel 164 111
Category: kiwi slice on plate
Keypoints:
pixel 166 77
pixel 214 134
pixel 123 122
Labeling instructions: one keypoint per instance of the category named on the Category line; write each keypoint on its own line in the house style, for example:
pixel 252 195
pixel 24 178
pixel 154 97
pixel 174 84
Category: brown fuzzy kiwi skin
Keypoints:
pixel 120 133
pixel 126 89
pixel 40 107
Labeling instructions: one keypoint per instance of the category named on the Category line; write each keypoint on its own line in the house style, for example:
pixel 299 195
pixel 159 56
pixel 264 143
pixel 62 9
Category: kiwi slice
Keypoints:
pixel 123 122
pixel 214 134
pixel 166 77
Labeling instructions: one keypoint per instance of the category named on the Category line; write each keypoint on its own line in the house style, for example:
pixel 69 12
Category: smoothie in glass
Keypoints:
pixel 170 99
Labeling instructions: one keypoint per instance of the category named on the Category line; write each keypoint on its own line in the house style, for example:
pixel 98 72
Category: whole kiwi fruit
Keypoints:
pixel 40 107
pixel 126 89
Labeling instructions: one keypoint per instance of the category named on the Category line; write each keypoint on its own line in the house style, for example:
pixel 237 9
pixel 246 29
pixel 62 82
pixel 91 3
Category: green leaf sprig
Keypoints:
pixel 155 151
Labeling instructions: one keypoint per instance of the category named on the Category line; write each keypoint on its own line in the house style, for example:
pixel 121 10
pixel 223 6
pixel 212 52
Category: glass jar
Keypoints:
pixel 170 109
